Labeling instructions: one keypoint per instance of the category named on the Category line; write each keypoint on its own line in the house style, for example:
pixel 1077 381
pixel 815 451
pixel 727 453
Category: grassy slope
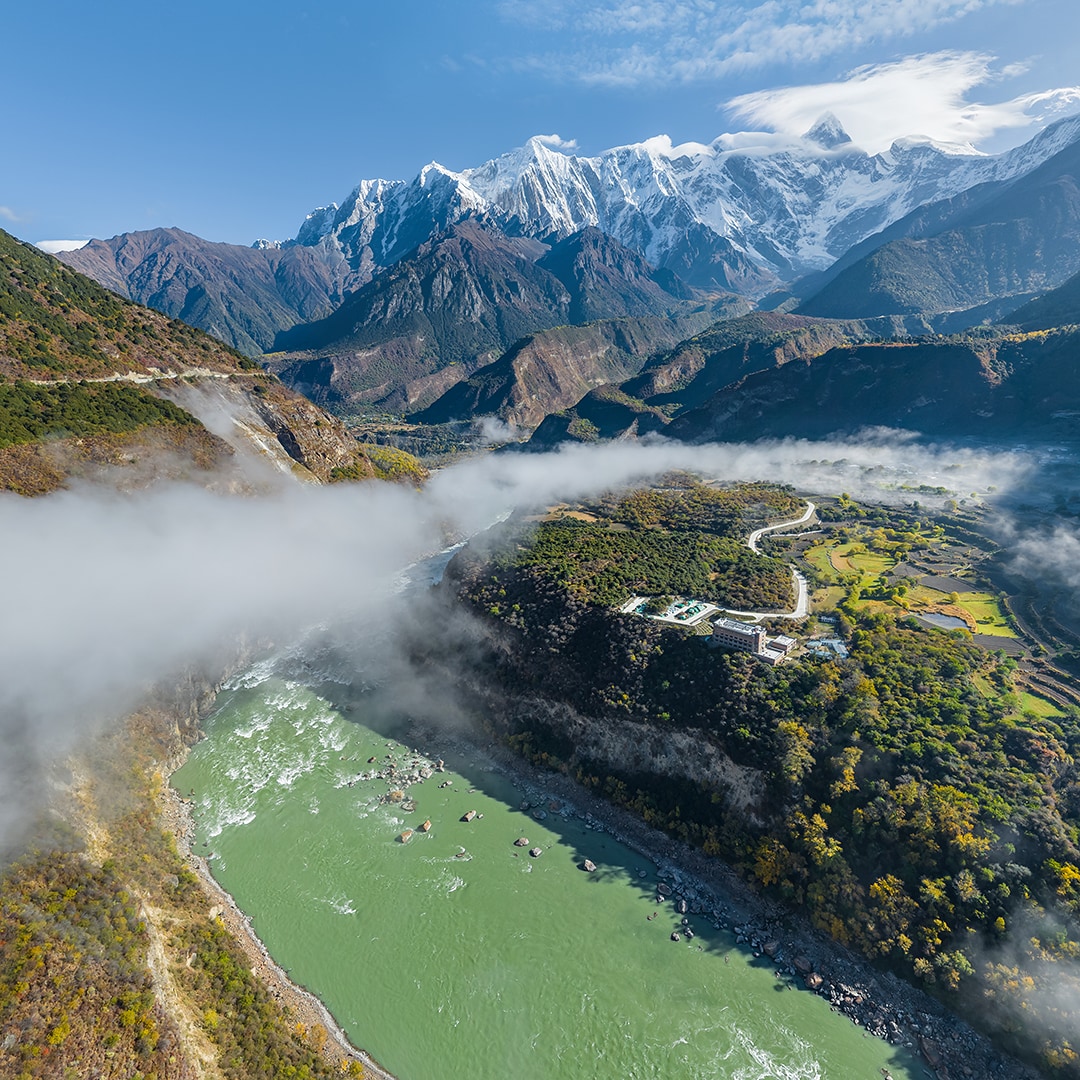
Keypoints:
pixel 83 374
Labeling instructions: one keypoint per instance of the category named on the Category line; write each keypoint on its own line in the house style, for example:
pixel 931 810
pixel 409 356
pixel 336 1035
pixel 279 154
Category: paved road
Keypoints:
pixel 757 534
pixel 802 591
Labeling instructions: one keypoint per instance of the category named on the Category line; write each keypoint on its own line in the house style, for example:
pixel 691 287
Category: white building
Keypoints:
pixel 739 635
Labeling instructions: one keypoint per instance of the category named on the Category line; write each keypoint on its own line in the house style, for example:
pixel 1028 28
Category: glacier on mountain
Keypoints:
pixel 747 213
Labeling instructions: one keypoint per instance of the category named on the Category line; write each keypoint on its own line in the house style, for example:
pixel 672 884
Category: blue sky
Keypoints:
pixel 232 119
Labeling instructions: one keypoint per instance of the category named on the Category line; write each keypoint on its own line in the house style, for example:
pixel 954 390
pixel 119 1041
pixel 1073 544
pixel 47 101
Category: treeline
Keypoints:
pixel 682 502
pixel 382 463
pixel 54 320
pixel 684 538
pixel 241 1016
pixel 75 993
pixel 904 806
pixel 29 412
pixel 48 312
pixel 604 566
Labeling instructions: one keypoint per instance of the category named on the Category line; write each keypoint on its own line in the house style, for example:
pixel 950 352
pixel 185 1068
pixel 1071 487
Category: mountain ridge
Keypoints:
pixel 741 213
pixel 241 295
pixel 97 387
pixel 456 304
pixel 987 245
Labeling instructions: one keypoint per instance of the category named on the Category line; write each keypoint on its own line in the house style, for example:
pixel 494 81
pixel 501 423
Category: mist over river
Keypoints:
pixel 456 954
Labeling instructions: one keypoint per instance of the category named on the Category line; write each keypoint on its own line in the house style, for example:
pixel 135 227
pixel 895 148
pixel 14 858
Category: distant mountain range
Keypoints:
pixel 744 213
pixel 989 248
pixel 457 303
pixel 575 295
pixel 242 295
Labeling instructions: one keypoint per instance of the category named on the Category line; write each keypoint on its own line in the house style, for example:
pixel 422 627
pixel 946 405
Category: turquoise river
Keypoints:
pixel 456 955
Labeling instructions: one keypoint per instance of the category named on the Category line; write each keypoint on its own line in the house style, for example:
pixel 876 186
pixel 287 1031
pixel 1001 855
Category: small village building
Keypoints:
pixel 783 644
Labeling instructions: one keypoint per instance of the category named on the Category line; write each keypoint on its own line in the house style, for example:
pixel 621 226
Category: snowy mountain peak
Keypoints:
pixel 924 142
pixel 828 132
pixel 434 173
pixel 745 213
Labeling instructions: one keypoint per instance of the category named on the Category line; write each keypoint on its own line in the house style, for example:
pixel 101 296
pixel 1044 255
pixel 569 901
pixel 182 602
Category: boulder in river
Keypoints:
pixel 676 936
pixel 588 865
pixel 426 826
pixel 813 981
pixel 536 852
pixel 771 948
pixel 521 841
pixel 405 837
pixel 468 815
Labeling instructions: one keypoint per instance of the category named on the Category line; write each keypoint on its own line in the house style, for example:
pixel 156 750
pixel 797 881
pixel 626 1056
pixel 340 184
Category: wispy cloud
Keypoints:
pixel 927 95
pixel 52 247
pixel 557 142
pixel 8 214
pixel 637 41
pixel 92 648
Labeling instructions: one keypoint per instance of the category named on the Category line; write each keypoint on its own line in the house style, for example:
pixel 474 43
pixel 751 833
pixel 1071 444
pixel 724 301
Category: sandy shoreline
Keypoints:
pixel 177 820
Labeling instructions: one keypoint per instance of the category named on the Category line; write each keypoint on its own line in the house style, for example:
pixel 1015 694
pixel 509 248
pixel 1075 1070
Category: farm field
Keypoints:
pixel 1040 706
pixel 861 558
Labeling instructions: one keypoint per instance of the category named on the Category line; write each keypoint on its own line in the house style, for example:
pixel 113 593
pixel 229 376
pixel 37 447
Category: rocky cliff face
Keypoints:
pixel 989 385
pixel 552 370
pixel 686 377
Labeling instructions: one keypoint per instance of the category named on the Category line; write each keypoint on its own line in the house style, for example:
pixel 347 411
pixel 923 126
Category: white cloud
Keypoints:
pixel 323 556
pixel 557 142
pixel 54 246
pixel 635 41
pixel 8 214
pixel 926 95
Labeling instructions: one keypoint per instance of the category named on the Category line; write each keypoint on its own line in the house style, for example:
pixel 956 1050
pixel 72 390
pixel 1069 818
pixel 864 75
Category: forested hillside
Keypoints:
pixel 95 386
pixel 901 796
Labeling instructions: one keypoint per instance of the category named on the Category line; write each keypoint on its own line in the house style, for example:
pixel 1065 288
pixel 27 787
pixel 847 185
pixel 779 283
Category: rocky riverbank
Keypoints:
pixel 176 819
pixel 884 1005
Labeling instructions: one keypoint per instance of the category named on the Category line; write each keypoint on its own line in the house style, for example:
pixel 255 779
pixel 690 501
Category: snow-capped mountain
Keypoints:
pixel 745 212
